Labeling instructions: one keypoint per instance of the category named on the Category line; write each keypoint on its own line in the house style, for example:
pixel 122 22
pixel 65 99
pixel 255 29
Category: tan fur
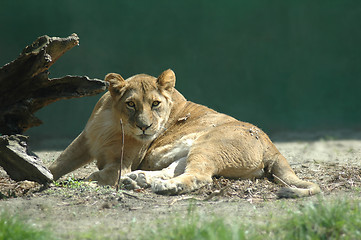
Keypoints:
pixel 171 145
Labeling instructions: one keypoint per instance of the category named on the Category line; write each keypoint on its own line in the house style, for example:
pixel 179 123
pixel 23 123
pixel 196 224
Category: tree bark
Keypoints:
pixel 26 88
pixel 19 162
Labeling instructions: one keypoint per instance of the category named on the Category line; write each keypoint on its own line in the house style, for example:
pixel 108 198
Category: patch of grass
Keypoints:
pixel 72 187
pixel 13 228
pixel 329 138
pixel 71 183
pixel 340 219
pixel 195 228
pixel 10 194
pixel 337 220
pixel 351 150
pixel 93 234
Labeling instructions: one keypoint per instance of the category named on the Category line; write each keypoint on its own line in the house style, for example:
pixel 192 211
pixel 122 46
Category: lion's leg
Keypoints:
pixel 144 179
pixel 73 157
pixel 108 175
pixel 295 187
pixel 199 171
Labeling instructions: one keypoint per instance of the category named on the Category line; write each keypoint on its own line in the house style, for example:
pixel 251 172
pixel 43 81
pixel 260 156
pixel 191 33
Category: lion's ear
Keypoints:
pixel 166 81
pixel 116 83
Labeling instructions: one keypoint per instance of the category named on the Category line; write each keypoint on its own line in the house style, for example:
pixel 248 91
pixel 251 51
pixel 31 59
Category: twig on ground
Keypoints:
pixel 130 195
pixel 219 192
pixel 216 182
pixel 121 158
pixel 283 182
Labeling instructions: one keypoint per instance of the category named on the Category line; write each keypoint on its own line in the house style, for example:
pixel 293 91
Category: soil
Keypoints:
pixel 69 207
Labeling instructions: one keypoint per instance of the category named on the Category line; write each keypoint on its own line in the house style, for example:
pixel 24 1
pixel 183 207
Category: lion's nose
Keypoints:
pixel 144 127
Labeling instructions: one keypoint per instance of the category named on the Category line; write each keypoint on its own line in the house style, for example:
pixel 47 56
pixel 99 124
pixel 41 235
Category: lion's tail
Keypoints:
pixel 294 187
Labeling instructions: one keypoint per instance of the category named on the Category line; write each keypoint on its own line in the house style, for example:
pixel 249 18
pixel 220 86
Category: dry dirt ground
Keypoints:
pixel 67 207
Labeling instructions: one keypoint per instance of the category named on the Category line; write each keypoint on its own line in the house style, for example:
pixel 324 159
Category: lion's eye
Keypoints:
pixel 155 104
pixel 130 104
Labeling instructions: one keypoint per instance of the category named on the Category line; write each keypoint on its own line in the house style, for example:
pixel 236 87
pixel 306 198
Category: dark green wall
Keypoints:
pixel 283 65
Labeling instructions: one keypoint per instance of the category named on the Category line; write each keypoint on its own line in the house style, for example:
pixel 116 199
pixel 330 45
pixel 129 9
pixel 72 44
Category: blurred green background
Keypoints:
pixel 282 65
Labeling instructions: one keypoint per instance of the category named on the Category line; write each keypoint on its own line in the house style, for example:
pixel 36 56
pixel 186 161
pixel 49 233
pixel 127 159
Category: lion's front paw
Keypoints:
pixel 129 183
pixel 101 178
pixel 135 180
pixel 166 187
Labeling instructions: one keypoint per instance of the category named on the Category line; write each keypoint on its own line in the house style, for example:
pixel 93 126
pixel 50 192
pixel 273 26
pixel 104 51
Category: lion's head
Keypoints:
pixel 142 102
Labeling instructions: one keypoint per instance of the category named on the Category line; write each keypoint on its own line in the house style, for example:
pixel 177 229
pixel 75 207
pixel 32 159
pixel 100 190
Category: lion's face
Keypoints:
pixel 142 102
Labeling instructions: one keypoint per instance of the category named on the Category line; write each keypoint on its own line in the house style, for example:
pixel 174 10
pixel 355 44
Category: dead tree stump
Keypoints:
pixel 26 88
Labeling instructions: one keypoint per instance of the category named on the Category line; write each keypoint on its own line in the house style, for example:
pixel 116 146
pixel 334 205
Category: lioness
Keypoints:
pixel 172 145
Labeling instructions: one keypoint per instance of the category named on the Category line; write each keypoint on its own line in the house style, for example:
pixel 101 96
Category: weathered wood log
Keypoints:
pixel 19 162
pixel 25 86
